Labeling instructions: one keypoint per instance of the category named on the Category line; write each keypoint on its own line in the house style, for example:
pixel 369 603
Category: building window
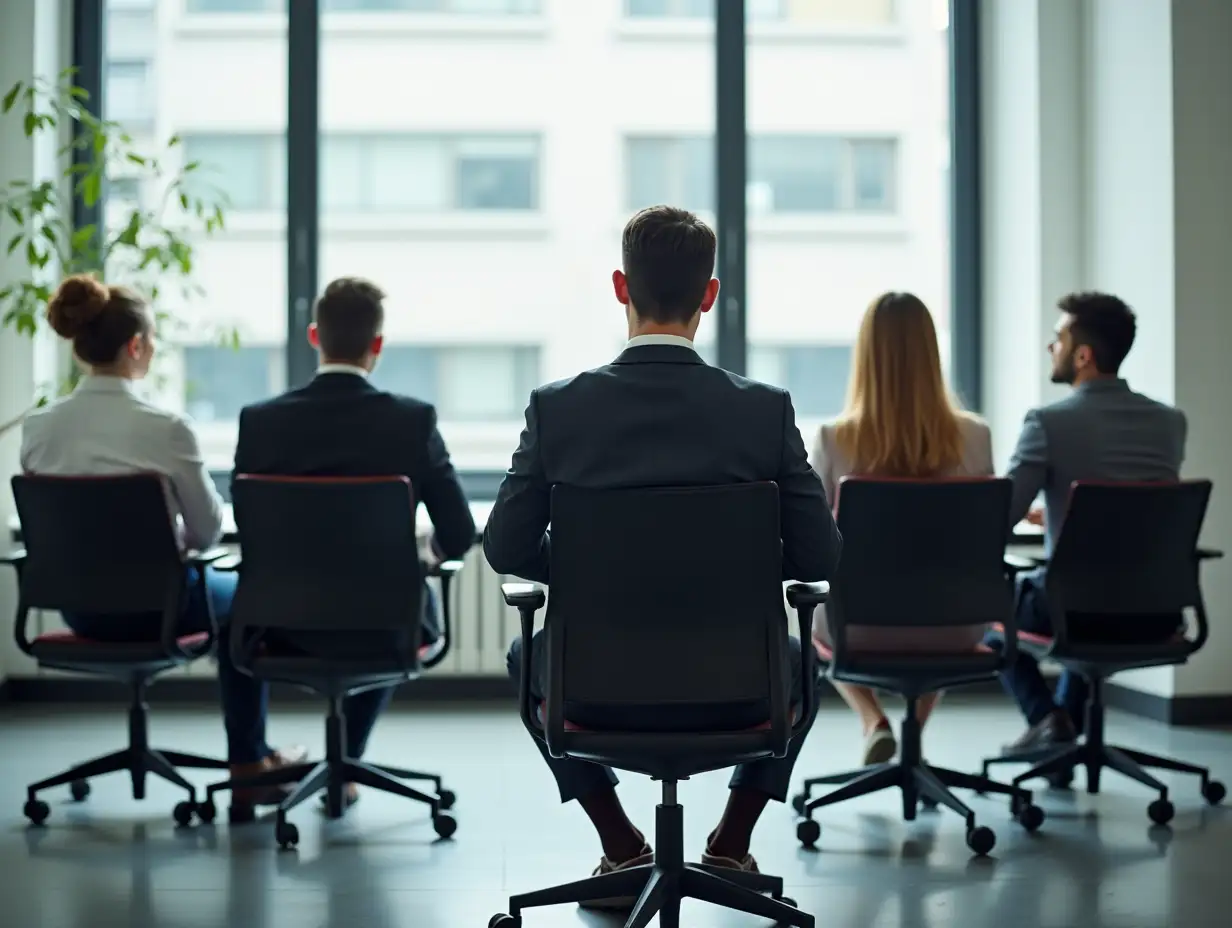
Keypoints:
pixel 797 12
pixel 815 375
pixel 219 381
pixel 677 171
pixel 250 170
pixel 463 7
pixel 471 383
pixel 787 174
pixel 130 92
pixel 236 6
pixel 410 173
pixel 123 191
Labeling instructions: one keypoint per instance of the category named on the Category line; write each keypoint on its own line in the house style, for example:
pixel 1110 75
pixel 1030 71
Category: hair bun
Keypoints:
pixel 77 302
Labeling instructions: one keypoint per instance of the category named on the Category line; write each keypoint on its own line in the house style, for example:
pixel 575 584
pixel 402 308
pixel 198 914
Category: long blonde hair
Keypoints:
pixel 899 420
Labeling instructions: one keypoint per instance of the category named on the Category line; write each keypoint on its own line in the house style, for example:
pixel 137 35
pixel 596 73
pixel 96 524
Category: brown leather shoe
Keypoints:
pixel 1053 730
pixel 245 801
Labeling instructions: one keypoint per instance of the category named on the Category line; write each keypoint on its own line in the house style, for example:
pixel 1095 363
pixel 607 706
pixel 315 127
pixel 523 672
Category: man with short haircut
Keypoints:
pixel 340 425
pixel 1102 431
pixel 659 416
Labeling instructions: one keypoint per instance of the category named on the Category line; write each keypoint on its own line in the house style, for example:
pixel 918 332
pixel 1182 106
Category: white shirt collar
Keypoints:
pixel 678 340
pixel 342 369
pixel 105 383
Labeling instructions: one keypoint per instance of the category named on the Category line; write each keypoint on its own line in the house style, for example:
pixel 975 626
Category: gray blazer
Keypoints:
pixel 102 428
pixel 1102 431
pixel 832 465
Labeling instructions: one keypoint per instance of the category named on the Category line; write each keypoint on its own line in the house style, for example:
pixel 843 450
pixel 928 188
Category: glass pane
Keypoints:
pixel 678 171
pixel 847 185
pixel 497 256
pixel 342 174
pixel 240 271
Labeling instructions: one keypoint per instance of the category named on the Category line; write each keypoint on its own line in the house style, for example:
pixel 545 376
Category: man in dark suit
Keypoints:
pixel 340 425
pixel 1102 431
pixel 660 416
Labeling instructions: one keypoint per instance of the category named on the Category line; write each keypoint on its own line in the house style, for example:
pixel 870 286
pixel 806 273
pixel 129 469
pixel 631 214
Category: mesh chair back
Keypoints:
pixel 667 597
pixel 1128 552
pixel 920 553
pixel 98 545
pixel 327 554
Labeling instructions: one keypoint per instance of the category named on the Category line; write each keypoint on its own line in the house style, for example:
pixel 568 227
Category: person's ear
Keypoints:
pixel 377 344
pixel 1083 356
pixel 314 336
pixel 712 294
pixel 136 347
pixel 620 284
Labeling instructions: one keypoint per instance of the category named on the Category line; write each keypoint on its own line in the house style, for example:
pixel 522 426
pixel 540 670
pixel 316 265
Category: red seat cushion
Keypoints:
pixel 1043 641
pixel 826 653
pixel 67 638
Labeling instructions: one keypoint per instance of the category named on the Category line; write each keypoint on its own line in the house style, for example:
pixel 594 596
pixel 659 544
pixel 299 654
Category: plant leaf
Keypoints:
pixel 11 97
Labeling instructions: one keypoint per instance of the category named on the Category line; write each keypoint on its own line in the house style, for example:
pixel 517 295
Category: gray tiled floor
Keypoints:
pixel 112 861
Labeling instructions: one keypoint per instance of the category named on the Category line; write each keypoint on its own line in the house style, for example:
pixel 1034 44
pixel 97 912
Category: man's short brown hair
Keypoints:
pixel 668 261
pixel 349 315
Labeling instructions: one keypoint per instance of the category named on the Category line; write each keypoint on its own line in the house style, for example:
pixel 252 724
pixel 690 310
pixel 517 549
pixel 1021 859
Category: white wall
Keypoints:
pixel 1107 151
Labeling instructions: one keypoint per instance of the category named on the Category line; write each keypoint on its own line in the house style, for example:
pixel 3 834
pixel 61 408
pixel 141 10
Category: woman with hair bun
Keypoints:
pixel 104 429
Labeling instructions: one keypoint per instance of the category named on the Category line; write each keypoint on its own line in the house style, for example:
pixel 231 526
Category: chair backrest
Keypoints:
pixel 666 597
pixel 920 553
pixel 98 545
pixel 1128 550
pixel 327 554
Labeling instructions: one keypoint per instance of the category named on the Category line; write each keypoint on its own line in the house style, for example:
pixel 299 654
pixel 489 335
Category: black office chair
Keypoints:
pixel 920 555
pixel 336 555
pixel 1127 554
pixel 107 546
pixel 667 608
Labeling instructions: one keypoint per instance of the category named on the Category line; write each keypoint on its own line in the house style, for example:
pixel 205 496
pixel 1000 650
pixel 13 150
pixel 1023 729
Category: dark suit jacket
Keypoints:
pixel 340 425
pixel 658 416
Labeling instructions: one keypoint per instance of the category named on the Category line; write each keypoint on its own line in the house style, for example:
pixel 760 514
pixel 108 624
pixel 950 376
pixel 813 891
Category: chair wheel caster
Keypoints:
pixel 79 789
pixel 798 802
pixel 981 840
pixel 184 812
pixel 207 811
pixel 808 832
pixel 286 834
pixel 445 825
pixel 1161 811
pixel 505 921
pixel 1062 780
pixel 36 811
pixel 448 798
pixel 1030 817
pixel 1213 792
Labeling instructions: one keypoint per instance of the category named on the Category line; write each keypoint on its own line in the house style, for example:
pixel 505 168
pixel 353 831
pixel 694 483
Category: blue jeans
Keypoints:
pixel 578 778
pixel 245 701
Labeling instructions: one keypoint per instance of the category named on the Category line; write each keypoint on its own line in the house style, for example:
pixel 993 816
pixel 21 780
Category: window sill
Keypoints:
pixel 808 226
pixel 221 25
pixel 675 30
pixel 462 225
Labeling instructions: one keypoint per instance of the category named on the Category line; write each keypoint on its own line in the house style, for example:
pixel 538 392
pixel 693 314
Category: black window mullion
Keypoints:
pixel 731 160
pixel 966 254
pixel 303 169
pixel 89 54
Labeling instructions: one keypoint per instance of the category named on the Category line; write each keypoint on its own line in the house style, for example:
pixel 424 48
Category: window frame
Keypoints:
pixel 731 37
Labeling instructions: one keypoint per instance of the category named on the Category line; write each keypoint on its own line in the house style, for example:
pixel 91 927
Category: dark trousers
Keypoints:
pixel 1023 679
pixel 578 778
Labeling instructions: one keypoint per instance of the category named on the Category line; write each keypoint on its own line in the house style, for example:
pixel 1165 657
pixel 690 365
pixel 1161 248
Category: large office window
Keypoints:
pixel 232 121
pixel 852 213
pixel 477 159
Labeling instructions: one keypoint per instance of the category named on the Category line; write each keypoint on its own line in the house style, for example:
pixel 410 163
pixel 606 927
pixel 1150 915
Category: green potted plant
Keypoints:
pixel 148 246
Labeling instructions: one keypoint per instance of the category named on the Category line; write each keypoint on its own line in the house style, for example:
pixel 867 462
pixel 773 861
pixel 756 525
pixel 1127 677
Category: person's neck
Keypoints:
pixel 1093 377
pixel 358 365
pixel 654 328
pixel 116 373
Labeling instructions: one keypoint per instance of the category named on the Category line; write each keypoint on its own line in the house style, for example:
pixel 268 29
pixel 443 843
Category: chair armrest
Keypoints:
pixel 229 563
pixel 1209 554
pixel 807 594
pixel 208 556
pixel 443 569
pixel 1016 564
pixel 16 557
pixel 524 596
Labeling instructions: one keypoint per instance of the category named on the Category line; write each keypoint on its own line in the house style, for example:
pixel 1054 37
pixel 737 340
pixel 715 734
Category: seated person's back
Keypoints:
pixel 658 416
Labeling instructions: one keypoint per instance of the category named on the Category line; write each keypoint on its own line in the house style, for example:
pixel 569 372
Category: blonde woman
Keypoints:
pixel 899 421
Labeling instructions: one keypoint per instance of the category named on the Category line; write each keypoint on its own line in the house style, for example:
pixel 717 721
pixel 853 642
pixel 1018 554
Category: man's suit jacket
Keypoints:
pixel 658 416
pixel 1102 431
pixel 340 425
